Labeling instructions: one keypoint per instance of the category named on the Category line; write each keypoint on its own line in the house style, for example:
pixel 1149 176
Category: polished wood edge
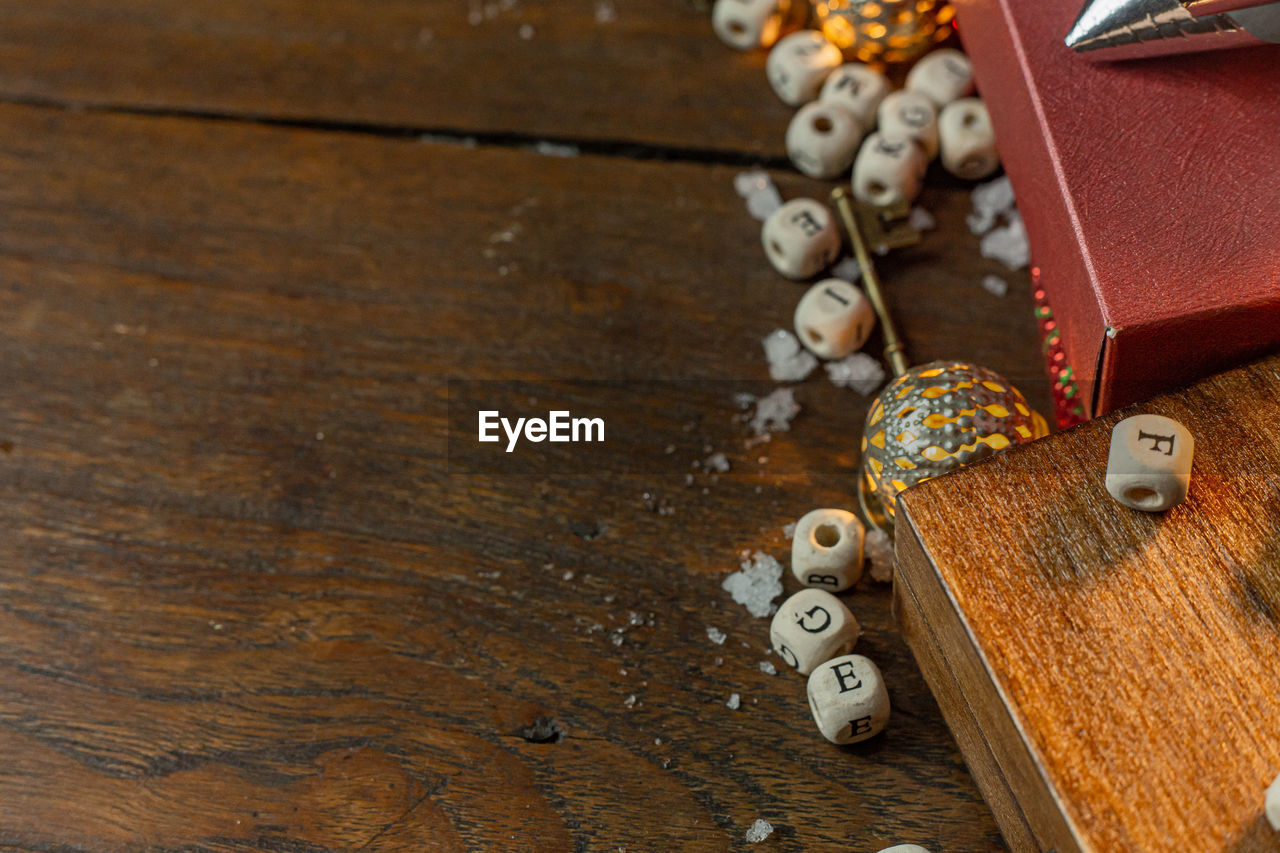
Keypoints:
pixel 946 690
pixel 1019 768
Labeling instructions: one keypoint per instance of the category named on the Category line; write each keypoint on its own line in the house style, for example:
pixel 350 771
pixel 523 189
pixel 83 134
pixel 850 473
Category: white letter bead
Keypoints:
pixel 859 89
pixel 800 238
pixel 810 628
pixel 822 139
pixel 967 140
pixel 826 548
pixel 848 699
pixel 942 76
pixel 748 24
pixel 833 319
pixel 1150 463
pixel 1272 804
pixel 888 170
pixel 799 63
pixel 913 115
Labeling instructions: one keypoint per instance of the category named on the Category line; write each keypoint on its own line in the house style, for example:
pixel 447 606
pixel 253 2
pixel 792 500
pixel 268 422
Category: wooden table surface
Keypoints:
pixel 255 594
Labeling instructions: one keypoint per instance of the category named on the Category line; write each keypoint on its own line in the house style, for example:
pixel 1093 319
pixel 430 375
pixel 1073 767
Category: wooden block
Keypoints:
pixel 1117 665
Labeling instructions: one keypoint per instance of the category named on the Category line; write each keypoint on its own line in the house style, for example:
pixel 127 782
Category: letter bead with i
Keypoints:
pixel 833 319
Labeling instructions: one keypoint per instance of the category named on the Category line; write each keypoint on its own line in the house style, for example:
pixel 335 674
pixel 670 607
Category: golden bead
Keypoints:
pixel 884 31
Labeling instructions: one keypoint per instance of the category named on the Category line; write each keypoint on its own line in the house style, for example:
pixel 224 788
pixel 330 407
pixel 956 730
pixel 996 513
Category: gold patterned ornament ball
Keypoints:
pixel 937 417
pixel 884 31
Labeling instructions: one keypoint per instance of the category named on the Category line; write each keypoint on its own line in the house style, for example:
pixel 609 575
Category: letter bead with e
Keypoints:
pixel 800 238
pixel 848 699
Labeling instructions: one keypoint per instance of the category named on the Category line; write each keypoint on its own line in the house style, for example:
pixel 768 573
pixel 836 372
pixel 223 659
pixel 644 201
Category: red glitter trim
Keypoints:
pixel 1067 405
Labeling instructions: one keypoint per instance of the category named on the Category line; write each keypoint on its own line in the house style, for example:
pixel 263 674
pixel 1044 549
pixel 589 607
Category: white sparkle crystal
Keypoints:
pixel 715 635
pixel 995 285
pixel 788 360
pixel 1008 243
pixel 879 550
pixel 789 529
pixel 858 371
pixel 735 702
pixel 606 12
pixel 848 269
pixel 759 192
pixel 775 411
pixel 555 149
pixel 746 183
pixel 717 462
pixel 768 668
pixel 757 584
pixel 759 831
pixel 995 196
pixel 921 219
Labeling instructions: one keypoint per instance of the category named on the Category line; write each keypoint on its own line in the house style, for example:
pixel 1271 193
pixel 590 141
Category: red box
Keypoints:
pixel 1151 193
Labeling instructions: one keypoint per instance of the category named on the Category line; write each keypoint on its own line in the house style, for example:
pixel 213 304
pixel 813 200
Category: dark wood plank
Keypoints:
pixel 655 74
pixel 1116 661
pixel 249 600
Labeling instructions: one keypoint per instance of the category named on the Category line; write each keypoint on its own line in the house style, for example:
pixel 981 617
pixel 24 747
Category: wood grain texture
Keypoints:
pixel 1118 662
pixel 958 713
pixel 654 74
pixel 247 603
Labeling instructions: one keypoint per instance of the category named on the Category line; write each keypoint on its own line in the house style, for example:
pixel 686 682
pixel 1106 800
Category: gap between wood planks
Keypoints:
pixel 446 136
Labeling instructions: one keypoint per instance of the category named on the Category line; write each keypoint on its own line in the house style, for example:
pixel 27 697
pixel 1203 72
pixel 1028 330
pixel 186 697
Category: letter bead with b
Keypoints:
pixel 826 548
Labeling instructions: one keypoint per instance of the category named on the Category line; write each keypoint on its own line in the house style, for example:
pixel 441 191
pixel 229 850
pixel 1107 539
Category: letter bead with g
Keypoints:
pixel 810 627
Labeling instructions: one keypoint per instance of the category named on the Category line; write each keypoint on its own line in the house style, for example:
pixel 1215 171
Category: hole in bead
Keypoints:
pixel 970 119
pixel 775 247
pixel 737 28
pixel 876 188
pixel 826 535
pixel 1142 497
pixel 822 124
pixel 813 335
